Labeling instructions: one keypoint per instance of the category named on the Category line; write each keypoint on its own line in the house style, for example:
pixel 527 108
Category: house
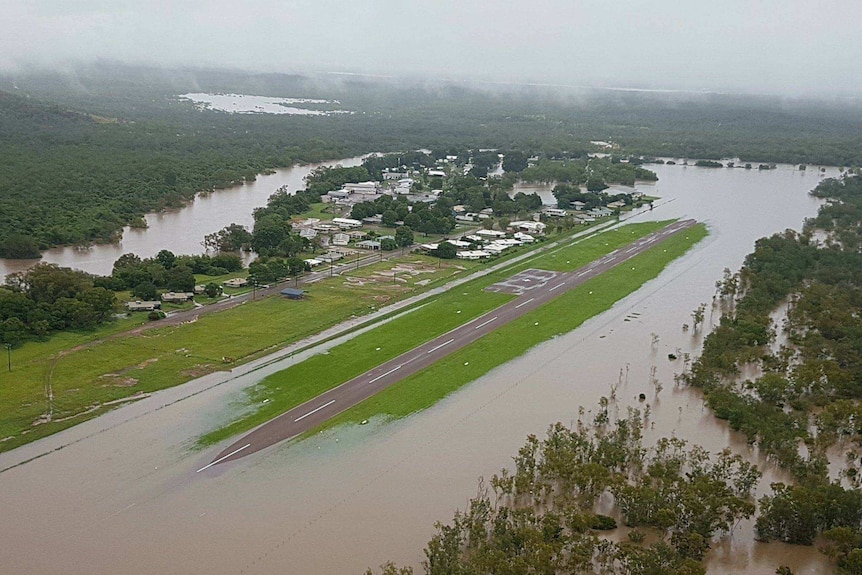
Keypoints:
pixel 616 205
pixel 330 257
pixel 459 243
pixel 524 238
pixel 313 262
pixel 474 238
pixel 491 234
pixel 177 297
pixel 601 212
pixel 373 220
pixel 428 247
pixel 394 175
pixel 578 205
pixel 436 173
pixel 357 234
pixel 364 187
pixel 347 223
pixel 236 283
pixel 337 194
pixel 528 227
pixel 340 239
pixel 200 288
pixel 308 233
pixel 143 305
pixel 292 293
pixel 466 217
pixel 368 245
pixel 473 254
pixel 555 212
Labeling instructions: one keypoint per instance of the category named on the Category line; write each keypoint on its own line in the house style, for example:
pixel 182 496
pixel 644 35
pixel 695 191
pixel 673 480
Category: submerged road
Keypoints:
pixel 338 399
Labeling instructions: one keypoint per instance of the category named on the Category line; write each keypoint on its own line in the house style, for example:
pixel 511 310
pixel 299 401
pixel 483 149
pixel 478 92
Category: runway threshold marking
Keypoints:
pixel 393 370
pixel 483 324
pixel 433 349
pixel 524 303
pixel 220 459
pixel 330 402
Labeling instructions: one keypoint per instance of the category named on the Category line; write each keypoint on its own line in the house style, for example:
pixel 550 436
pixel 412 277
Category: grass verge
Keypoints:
pixel 559 316
pixel 299 383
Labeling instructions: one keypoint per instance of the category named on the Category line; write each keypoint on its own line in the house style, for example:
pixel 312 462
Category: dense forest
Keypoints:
pixel 92 150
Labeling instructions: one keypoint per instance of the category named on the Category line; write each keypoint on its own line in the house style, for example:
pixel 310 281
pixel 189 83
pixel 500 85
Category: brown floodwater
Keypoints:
pixel 119 494
pixel 181 230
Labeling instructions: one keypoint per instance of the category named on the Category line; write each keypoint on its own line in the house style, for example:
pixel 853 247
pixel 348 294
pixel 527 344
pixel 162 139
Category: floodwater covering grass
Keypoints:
pixel 299 383
pixel 557 317
pixel 88 371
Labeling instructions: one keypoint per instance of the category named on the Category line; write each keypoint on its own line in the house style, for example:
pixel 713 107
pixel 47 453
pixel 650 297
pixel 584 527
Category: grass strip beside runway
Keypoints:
pixel 304 381
pixel 559 316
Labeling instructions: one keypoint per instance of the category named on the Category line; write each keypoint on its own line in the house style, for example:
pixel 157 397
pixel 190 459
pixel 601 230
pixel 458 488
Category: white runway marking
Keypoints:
pixel 524 303
pixel 393 370
pixel 557 286
pixel 314 410
pixel 439 346
pixel 485 323
pixel 223 458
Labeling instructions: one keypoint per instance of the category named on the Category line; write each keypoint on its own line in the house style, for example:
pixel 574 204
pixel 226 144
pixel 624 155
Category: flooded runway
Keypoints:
pixel 126 499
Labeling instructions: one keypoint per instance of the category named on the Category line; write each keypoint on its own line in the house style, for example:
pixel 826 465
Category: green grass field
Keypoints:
pixel 299 383
pixel 85 375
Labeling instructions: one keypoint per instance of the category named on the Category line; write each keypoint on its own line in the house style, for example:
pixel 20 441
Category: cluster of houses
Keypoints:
pixel 394 184
pixel 487 243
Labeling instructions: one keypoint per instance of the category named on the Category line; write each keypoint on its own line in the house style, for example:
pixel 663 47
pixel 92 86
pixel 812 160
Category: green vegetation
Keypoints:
pixel 85 370
pixel 594 173
pixel 514 339
pixel 308 379
pixel 540 518
pixel 97 148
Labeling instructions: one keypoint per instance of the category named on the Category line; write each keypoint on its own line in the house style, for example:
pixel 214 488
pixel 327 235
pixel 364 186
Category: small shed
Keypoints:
pixel 292 293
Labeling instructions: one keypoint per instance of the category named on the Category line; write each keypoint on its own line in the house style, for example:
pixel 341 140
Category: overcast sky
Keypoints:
pixel 765 46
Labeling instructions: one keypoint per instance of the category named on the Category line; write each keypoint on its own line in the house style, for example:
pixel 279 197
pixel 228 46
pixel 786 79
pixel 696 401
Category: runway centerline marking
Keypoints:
pixel 524 303
pixel 439 346
pixel 485 323
pixel 318 409
pixel 557 286
pixel 220 459
pixel 393 370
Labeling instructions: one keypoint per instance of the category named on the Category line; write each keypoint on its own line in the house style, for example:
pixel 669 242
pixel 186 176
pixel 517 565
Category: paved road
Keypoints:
pixel 330 403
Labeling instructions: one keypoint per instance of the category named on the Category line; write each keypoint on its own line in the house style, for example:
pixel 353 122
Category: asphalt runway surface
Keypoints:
pixel 338 399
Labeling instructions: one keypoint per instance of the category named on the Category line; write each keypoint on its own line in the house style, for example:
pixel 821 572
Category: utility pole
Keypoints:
pixel 9 355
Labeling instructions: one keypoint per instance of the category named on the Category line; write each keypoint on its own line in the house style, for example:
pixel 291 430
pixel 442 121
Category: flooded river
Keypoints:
pixel 182 231
pixel 122 495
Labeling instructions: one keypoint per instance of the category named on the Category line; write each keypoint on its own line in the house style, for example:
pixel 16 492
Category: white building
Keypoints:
pixel 340 239
pixel 473 255
pixel 347 223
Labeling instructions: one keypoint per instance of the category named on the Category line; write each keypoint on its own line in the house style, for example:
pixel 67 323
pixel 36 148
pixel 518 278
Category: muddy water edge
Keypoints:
pixel 125 498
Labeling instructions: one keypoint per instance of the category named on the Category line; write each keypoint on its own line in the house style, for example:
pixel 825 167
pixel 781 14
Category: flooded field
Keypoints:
pixel 120 494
